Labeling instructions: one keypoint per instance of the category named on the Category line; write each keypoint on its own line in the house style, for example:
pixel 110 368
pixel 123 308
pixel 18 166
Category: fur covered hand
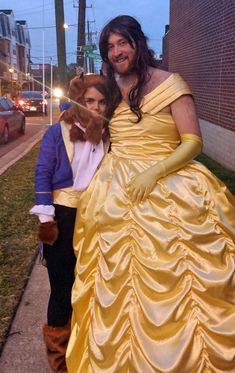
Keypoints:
pixel 48 232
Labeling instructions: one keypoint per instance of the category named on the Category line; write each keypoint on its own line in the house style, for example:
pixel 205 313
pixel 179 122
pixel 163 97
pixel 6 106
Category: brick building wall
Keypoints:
pixel 165 49
pixel 202 48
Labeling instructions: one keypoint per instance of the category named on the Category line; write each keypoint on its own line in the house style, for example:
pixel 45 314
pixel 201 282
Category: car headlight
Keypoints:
pixel 58 92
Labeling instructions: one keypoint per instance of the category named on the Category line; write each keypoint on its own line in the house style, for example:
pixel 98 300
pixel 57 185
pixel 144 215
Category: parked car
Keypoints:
pixel 11 119
pixel 31 101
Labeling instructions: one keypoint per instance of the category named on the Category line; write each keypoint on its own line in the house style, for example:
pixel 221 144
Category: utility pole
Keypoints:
pixel 89 42
pixel 81 34
pixel 60 38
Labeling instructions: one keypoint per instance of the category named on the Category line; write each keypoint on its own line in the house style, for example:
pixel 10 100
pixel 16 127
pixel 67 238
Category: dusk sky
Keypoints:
pixel 152 14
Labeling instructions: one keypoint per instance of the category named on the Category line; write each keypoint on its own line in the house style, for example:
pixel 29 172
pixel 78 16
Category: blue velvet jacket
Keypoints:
pixel 53 169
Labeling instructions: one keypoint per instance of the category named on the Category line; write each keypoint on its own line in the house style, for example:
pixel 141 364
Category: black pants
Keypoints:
pixel 61 261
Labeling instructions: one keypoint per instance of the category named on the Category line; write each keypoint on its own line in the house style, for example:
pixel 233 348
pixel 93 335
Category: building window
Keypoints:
pixel 8 27
pixel 3 27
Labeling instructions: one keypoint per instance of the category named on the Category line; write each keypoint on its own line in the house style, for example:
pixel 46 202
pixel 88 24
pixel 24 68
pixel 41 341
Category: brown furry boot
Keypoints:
pixel 56 340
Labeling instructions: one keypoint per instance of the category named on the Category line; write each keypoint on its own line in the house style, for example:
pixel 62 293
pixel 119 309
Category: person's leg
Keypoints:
pixel 60 261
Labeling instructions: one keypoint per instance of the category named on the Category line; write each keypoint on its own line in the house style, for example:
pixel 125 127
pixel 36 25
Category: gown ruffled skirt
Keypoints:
pixel 154 288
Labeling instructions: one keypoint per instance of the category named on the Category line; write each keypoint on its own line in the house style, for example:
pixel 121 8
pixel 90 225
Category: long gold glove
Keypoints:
pixel 143 183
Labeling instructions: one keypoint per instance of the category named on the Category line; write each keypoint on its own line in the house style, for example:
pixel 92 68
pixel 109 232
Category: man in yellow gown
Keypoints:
pixel 155 233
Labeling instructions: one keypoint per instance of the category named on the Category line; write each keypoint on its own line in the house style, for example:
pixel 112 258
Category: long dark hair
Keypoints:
pixel 131 30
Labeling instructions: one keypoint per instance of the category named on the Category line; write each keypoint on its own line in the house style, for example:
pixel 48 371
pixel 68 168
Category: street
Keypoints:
pixel 34 124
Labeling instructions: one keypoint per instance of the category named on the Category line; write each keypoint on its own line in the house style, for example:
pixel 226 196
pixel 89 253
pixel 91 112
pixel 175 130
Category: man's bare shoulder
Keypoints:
pixel 158 75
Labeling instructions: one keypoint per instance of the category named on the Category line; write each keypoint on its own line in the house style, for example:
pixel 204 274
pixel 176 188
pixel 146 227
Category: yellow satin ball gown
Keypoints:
pixel 154 287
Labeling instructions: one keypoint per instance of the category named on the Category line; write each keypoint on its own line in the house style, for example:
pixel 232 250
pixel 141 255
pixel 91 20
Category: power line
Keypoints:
pixel 40 27
pixel 40 58
pixel 31 10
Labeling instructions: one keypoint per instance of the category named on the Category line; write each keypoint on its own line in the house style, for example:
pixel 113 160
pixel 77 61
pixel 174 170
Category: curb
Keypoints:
pixel 24 350
pixel 21 150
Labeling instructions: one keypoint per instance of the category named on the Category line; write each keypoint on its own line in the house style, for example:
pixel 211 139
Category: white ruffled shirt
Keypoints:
pixel 86 160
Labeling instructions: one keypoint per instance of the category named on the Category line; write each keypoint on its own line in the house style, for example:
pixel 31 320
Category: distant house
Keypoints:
pixel 200 45
pixel 14 48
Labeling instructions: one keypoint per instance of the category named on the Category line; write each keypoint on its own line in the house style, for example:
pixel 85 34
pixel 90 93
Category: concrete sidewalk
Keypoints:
pixel 24 351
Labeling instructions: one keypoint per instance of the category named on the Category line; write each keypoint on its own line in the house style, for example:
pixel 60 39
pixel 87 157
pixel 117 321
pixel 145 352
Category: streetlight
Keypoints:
pixel 43 58
pixel 43 27
pixel 67 25
pixel 11 70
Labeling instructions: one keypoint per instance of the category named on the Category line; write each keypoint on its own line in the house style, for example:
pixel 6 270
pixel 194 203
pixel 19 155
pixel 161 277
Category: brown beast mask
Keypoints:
pixel 93 125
